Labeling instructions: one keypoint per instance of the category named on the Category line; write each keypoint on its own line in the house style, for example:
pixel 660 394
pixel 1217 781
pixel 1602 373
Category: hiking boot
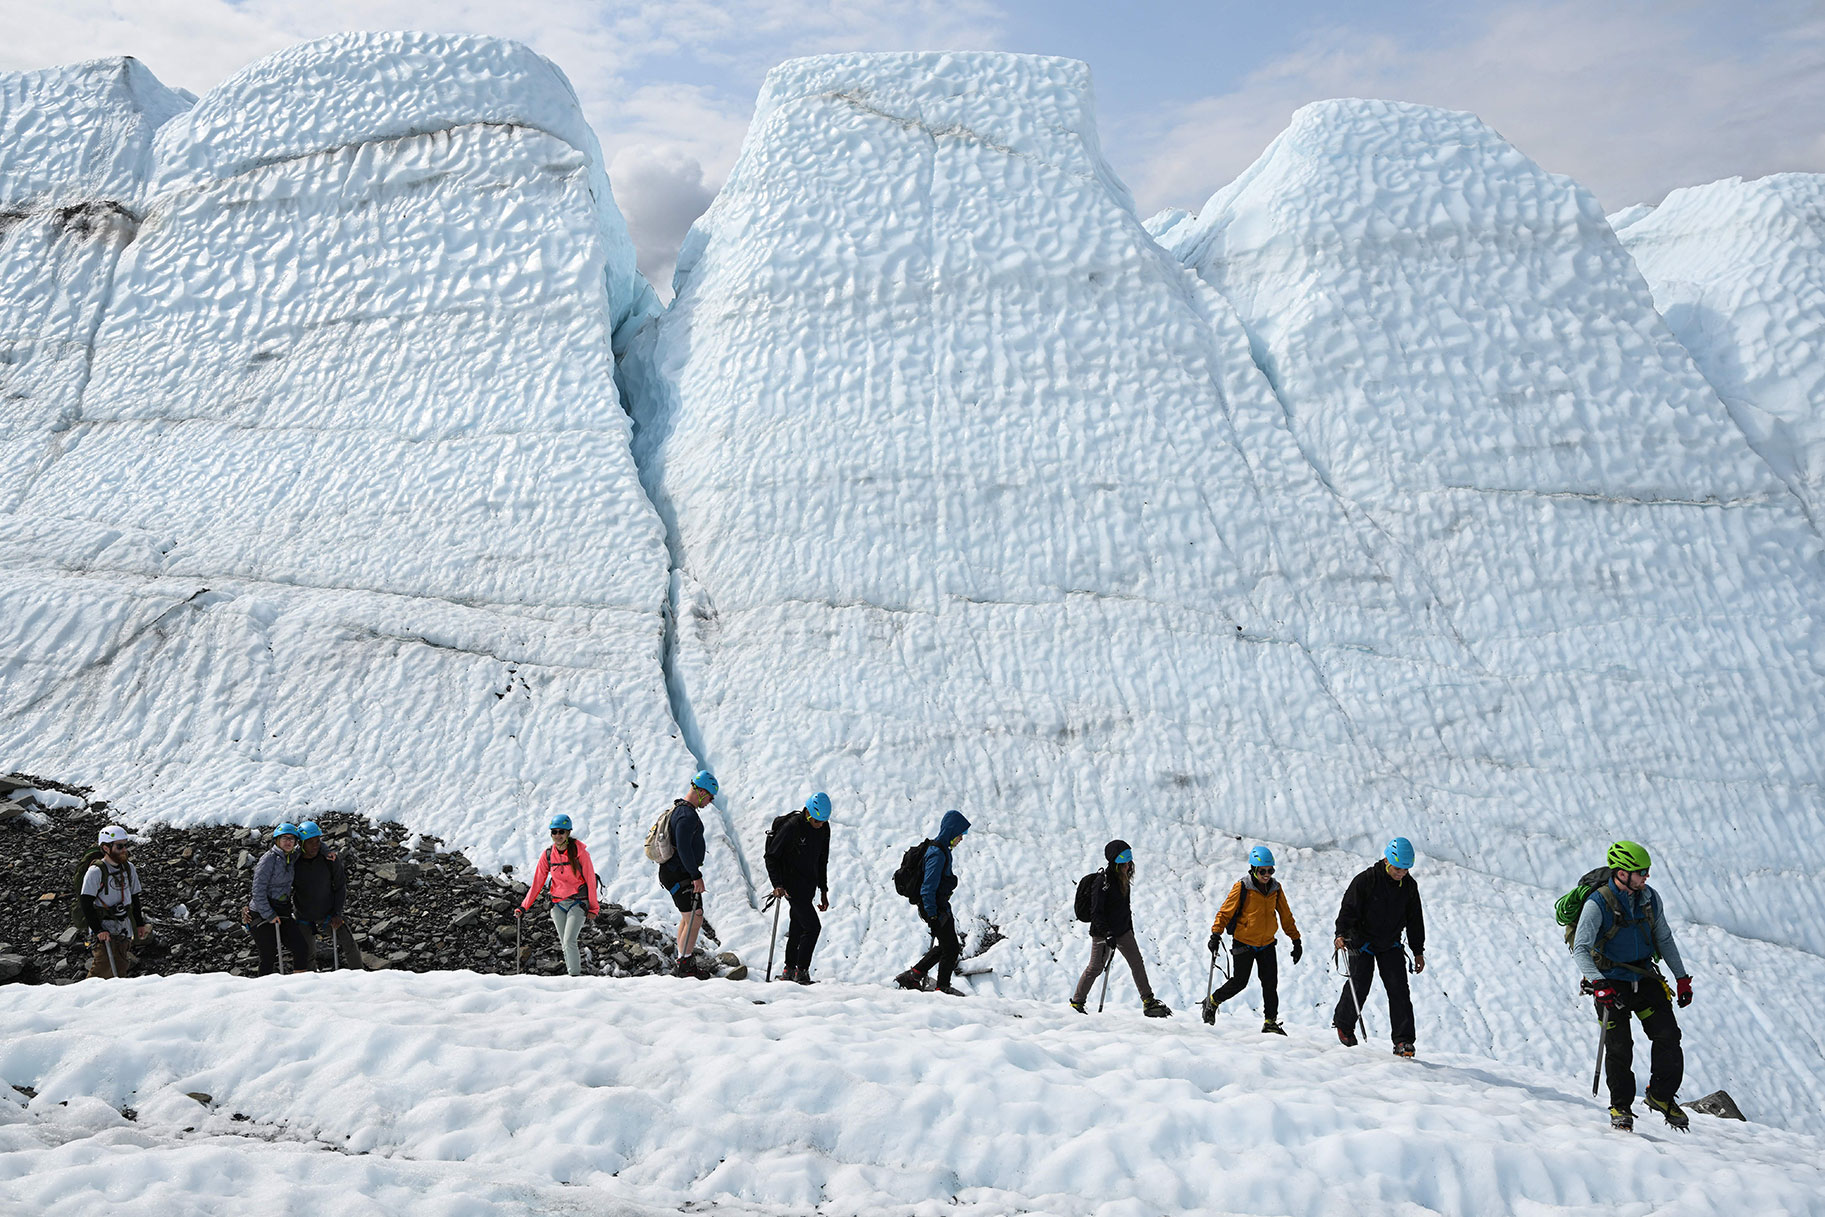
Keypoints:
pixel 802 977
pixel 951 991
pixel 1622 1119
pixel 912 979
pixel 1403 1048
pixel 1670 1108
pixel 1079 1007
pixel 1346 1037
pixel 1209 1008
pixel 1271 1026
pixel 786 974
pixel 1153 1007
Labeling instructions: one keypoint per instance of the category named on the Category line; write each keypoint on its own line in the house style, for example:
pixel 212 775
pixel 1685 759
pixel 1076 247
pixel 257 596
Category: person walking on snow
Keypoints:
pixel 568 871
pixel 319 889
pixel 109 897
pixel 272 904
pixel 1381 902
pixel 940 880
pixel 681 875
pixel 1248 915
pixel 1112 929
pixel 798 864
pixel 1622 929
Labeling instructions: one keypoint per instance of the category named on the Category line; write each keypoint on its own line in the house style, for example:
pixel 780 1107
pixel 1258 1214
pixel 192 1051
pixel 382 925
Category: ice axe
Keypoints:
pixel 773 939
pixel 1108 964
pixel 1349 980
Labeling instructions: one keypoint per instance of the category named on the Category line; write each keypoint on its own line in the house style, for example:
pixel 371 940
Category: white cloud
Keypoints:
pixel 1630 99
pixel 673 141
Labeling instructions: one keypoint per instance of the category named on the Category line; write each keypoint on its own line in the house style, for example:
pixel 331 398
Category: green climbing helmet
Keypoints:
pixel 1626 855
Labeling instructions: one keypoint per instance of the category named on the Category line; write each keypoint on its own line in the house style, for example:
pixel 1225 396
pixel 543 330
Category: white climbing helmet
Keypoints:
pixel 113 834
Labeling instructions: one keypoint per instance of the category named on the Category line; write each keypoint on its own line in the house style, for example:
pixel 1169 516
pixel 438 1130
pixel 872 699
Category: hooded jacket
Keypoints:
pixel 1376 908
pixel 687 839
pixel 272 880
pixel 1254 909
pixel 798 853
pixel 940 875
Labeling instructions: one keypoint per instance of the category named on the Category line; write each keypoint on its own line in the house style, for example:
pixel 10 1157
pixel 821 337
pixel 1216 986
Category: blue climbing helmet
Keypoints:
pixel 706 782
pixel 286 829
pixel 1260 855
pixel 818 807
pixel 308 831
pixel 560 821
pixel 1399 853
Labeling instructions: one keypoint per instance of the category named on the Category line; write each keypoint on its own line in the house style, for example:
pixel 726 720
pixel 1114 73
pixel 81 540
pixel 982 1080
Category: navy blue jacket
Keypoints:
pixel 940 876
pixel 687 839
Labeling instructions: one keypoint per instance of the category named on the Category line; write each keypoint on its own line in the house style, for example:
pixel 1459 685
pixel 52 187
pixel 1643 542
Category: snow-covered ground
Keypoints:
pixel 1738 271
pixel 454 1093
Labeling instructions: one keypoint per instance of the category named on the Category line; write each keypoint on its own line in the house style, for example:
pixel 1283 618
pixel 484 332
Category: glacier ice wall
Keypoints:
pixel 1469 359
pixel 1738 270
pixel 345 514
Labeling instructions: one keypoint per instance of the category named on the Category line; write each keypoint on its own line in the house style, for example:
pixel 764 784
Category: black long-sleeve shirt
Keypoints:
pixel 798 853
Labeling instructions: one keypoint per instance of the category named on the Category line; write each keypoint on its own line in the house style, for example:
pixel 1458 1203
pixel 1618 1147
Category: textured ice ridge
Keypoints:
pixel 345 513
pixel 1738 270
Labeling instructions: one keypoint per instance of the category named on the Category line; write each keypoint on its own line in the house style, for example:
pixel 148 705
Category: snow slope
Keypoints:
pixel 661 1096
pixel 1738 270
pixel 345 515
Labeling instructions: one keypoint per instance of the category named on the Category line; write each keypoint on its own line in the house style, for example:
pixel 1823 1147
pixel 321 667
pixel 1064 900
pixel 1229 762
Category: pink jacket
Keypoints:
pixel 564 882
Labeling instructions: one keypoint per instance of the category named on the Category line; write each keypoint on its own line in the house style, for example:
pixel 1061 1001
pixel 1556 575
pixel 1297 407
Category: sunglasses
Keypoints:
pixel 560 832
pixel 1642 873
pixel 1262 870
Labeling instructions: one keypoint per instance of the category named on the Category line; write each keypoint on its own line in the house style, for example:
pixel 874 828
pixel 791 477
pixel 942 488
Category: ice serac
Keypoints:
pixel 75 153
pixel 978 500
pixel 1468 356
pixel 1738 270
pixel 346 515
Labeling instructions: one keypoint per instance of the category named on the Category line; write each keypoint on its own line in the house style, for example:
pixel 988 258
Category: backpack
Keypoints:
pixel 1569 907
pixel 776 837
pixel 659 847
pixel 910 876
pixel 90 857
pixel 1085 905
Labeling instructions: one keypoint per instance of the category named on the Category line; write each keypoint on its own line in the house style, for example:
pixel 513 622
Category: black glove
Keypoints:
pixel 1298 949
pixel 1216 941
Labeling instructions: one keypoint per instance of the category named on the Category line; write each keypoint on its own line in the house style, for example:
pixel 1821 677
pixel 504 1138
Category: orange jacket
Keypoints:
pixel 1255 927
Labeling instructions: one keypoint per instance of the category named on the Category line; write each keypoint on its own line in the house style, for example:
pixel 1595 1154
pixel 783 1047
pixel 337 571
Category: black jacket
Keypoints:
pixel 798 853
pixel 1376 909
pixel 318 886
pixel 1110 913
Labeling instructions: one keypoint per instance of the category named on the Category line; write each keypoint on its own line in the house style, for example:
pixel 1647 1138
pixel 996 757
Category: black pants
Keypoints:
pixel 1392 963
pixel 1647 1001
pixel 802 930
pixel 944 951
pixel 1246 959
pixel 347 954
pixel 266 940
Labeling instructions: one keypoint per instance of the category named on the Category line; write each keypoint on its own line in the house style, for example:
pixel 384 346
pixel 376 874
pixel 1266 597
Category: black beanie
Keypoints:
pixel 1114 849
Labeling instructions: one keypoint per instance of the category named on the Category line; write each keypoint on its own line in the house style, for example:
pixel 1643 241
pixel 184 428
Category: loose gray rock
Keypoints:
pixel 1718 1103
pixel 244 860
pixel 400 874
pixel 465 919
pixel 200 1096
pixel 10 967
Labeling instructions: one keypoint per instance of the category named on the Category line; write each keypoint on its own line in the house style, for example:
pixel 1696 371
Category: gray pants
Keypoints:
pixel 1099 955
pixel 568 917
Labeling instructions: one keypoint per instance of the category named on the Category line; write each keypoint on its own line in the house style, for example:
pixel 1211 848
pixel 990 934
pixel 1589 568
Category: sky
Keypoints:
pixel 1630 97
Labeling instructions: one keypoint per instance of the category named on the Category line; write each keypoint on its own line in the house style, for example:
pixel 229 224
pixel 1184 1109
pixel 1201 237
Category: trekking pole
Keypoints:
pixel 1108 966
pixel 773 939
pixel 1211 980
pixel 517 921
pixel 1349 980
pixel 278 938
pixel 113 972
pixel 335 949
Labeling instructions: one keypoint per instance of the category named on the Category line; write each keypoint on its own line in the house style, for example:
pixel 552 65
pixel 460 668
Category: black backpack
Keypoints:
pixel 91 857
pixel 776 836
pixel 1085 904
pixel 910 877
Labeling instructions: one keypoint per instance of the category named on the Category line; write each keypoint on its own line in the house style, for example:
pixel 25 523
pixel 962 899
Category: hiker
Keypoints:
pixel 1112 929
pixel 272 904
pixel 677 842
pixel 798 864
pixel 1248 916
pixel 1621 931
pixel 1381 902
pixel 108 898
pixel 566 868
pixel 938 880
pixel 319 889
